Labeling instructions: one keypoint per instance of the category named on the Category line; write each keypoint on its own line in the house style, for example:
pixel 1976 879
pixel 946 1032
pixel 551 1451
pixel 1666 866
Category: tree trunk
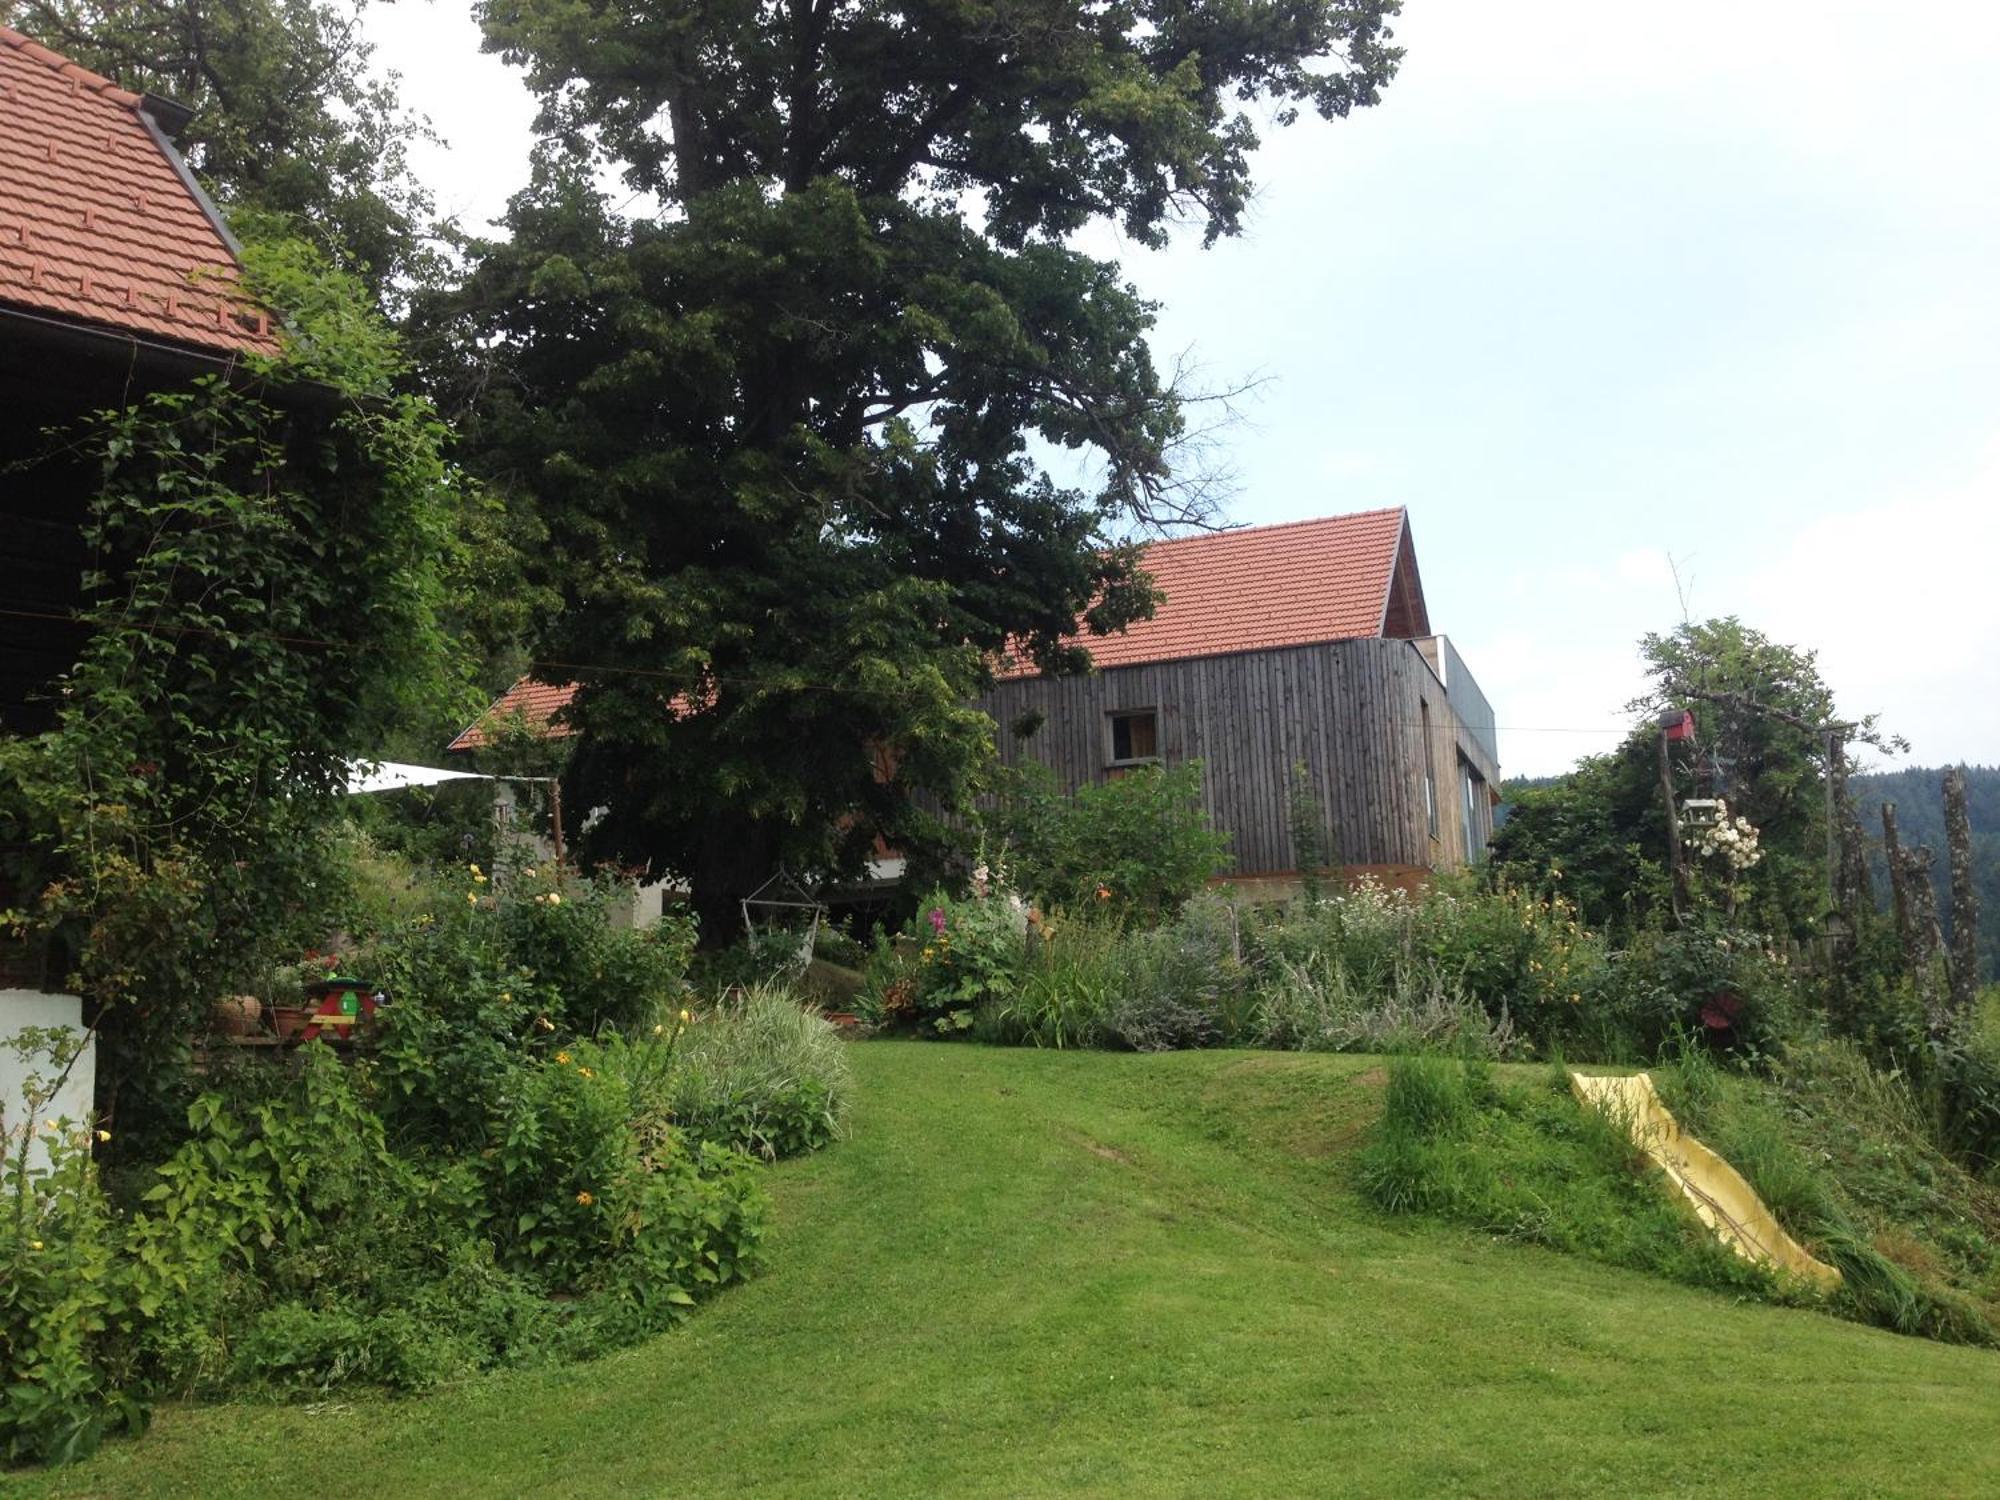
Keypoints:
pixel 1964 895
pixel 1921 954
pixel 1892 857
pixel 1855 894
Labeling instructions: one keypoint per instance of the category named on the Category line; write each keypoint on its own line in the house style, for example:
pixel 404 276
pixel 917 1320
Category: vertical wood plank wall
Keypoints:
pixel 1351 710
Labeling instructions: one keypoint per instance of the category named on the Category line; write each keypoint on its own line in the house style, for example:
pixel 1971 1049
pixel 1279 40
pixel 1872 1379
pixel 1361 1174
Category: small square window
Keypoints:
pixel 1135 737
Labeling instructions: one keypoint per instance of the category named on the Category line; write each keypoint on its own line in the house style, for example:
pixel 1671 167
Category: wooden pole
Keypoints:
pixel 555 816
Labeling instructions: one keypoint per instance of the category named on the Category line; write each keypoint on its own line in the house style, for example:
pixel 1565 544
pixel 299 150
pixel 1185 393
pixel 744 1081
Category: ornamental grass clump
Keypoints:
pixel 765 1073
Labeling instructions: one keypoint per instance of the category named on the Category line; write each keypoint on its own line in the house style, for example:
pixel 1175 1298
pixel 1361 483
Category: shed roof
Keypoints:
pixel 100 222
pixel 1263 587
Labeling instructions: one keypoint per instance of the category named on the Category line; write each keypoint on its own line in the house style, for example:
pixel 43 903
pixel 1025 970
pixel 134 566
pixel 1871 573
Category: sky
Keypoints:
pixel 1640 311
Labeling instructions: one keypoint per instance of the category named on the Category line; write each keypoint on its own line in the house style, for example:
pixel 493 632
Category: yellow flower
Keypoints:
pixel 554 899
pixel 659 1031
pixel 685 1018
pixel 104 1135
pixel 529 873
pixel 543 1023
pixel 563 1058
pixel 585 1199
pixel 34 1244
pixel 474 869
pixel 585 1073
pixel 472 898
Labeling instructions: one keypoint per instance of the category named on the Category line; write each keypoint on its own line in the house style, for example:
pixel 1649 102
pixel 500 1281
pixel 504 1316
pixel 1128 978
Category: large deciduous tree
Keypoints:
pixel 786 429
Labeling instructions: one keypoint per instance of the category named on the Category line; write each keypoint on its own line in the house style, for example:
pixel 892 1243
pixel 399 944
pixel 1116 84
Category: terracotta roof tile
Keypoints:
pixel 1259 588
pixel 536 702
pixel 96 222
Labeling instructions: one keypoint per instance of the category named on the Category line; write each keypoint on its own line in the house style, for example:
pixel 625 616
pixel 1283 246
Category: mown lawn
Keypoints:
pixel 1088 1274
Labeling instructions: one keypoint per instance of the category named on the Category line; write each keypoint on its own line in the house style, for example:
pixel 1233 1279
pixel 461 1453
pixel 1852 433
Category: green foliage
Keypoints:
pixel 68 1370
pixel 784 433
pixel 1137 846
pixel 763 1073
pixel 1723 986
pixel 491 970
pixel 954 957
pixel 1596 835
pixel 270 577
pixel 1313 854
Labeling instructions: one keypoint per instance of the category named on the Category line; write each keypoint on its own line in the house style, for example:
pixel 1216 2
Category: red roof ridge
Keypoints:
pixel 81 76
pixel 1271 526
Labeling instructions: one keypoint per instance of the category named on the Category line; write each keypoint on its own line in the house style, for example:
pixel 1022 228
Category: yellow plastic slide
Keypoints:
pixel 1721 1198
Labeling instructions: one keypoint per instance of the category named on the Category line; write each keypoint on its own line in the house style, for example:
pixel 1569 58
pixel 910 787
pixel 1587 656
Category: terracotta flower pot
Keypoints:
pixel 289 1021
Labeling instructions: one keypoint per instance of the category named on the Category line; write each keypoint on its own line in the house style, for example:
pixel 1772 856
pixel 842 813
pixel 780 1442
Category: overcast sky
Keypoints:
pixel 1598 292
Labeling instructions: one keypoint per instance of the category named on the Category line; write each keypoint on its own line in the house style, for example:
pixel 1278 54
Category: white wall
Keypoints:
pixel 24 1008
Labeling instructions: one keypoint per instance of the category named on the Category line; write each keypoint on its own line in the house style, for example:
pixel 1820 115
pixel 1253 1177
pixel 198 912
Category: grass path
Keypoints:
pixel 1089 1274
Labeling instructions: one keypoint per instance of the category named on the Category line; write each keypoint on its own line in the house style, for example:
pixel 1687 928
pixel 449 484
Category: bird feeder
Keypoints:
pixel 1701 812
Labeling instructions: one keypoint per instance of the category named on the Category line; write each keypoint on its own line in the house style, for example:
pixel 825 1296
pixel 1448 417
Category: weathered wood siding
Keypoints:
pixel 1352 711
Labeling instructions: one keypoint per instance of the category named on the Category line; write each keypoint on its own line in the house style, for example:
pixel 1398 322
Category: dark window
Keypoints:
pixel 1135 737
pixel 1430 775
pixel 1475 811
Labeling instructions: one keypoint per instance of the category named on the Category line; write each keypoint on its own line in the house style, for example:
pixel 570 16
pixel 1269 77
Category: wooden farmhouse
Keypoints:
pixel 1302 644
pixel 1279 646
pixel 117 277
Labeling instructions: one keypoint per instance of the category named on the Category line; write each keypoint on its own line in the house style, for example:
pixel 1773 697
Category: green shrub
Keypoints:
pixel 1139 845
pixel 66 1340
pixel 954 958
pixel 1721 986
pixel 764 1073
pixel 1321 1009
pixel 1071 977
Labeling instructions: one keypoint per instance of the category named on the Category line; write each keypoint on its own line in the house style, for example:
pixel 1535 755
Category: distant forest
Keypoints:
pixel 1919 797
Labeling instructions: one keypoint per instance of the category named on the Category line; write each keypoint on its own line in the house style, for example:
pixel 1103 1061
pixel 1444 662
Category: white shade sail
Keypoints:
pixel 393 776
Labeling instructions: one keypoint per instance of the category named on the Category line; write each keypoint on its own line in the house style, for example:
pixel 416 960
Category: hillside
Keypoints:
pixel 1918 794
pixel 1042 1273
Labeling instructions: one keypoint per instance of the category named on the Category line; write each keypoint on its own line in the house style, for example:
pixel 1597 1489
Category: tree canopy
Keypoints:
pixel 787 430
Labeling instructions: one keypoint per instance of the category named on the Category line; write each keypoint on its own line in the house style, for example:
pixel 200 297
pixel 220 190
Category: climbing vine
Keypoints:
pixel 273 556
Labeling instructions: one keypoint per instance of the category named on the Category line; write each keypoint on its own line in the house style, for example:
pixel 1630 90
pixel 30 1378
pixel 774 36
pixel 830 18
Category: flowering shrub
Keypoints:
pixel 952 958
pixel 1732 840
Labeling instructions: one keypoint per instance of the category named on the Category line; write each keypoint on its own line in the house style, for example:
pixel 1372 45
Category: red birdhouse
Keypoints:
pixel 1678 725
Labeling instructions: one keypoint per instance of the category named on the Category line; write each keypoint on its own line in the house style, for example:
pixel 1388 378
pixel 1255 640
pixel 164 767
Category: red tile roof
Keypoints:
pixel 1262 587
pixel 97 221
pixel 536 702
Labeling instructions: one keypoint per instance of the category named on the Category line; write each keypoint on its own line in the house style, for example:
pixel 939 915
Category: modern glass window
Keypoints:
pixel 1135 737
